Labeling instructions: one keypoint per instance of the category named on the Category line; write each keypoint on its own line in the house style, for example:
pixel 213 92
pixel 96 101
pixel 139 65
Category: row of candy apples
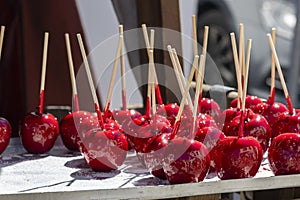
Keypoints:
pixel 180 143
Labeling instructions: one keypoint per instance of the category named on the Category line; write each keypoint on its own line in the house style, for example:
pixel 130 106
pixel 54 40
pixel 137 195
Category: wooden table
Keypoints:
pixel 61 174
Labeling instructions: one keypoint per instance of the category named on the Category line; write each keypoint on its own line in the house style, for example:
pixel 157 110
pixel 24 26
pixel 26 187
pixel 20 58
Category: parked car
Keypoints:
pixel 258 17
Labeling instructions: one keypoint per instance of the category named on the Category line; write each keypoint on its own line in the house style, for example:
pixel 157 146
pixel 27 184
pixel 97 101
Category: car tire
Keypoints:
pixel 219 43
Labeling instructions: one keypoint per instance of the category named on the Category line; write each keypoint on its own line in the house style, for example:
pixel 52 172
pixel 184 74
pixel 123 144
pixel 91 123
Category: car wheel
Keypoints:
pixel 219 43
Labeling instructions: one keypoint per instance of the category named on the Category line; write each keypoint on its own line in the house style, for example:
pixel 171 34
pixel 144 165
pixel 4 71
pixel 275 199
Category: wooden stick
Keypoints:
pixel 149 86
pixel 152 81
pixel 152 32
pixel 204 52
pixel 249 45
pixel 285 90
pixel 195 35
pixel 157 89
pixel 122 61
pixel 237 69
pixel 146 38
pixel 242 51
pixel 187 88
pixel 1 39
pixel 198 88
pixel 271 99
pixel 43 75
pixel 177 74
pixel 72 74
pixel 148 46
pixel 90 80
pixel 189 99
pixel 113 76
pixel 195 40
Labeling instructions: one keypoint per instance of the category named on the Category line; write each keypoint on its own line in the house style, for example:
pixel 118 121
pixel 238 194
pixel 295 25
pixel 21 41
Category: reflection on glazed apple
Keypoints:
pixel 39 132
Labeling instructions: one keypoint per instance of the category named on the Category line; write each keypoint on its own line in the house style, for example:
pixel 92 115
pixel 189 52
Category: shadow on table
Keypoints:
pixel 89 174
pixel 150 181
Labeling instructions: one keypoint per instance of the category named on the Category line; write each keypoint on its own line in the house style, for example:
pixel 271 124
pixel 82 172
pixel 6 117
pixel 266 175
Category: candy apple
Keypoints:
pixel 186 161
pixel 39 132
pixel 73 126
pixel 104 150
pixel 5 133
pixel 237 157
pixel 284 154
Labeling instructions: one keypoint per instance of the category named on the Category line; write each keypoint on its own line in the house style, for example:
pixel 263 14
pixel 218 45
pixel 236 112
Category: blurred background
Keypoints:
pixel 26 21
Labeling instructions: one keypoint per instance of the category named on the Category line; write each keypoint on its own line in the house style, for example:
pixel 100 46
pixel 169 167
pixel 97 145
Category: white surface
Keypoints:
pixel 64 175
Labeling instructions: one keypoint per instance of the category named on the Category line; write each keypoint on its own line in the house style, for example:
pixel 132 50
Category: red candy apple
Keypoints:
pixel 210 107
pixel 5 133
pixel 286 123
pixel 169 111
pixel 270 111
pixel 284 154
pixel 251 102
pixel 39 132
pixel 255 125
pixel 104 150
pixel 186 161
pixel 237 157
pixel 155 153
pixel 73 127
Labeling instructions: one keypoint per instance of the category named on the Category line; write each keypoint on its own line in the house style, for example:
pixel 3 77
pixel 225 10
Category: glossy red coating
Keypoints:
pixel 169 111
pixel 286 123
pixel 74 126
pixel 186 161
pixel 39 132
pixel 284 154
pixel 254 125
pixel 251 102
pixel 155 153
pixel 237 157
pixel 139 137
pixel 210 107
pixel 104 150
pixel 270 111
pixel 5 133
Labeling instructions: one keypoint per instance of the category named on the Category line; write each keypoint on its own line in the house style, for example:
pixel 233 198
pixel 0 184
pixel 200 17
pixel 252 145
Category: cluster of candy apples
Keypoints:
pixel 180 143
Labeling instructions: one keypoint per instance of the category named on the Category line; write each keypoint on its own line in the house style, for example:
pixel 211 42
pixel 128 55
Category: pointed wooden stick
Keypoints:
pixel 237 69
pixel 189 99
pixel 43 75
pixel 152 32
pixel 148 46
pixel 122 61
pixel 113 76
pixel 204 52
pixel 195 40
pixel 1 39
pixel 149 86
pixel 177 74
pixel 198 89
pixel 195 35
pixel 249 46
pixel 90 79
pixel 285 90
pixel 271 99
pixel 242 117
pixel 187 88
pixel 72 74
pixel 242 53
